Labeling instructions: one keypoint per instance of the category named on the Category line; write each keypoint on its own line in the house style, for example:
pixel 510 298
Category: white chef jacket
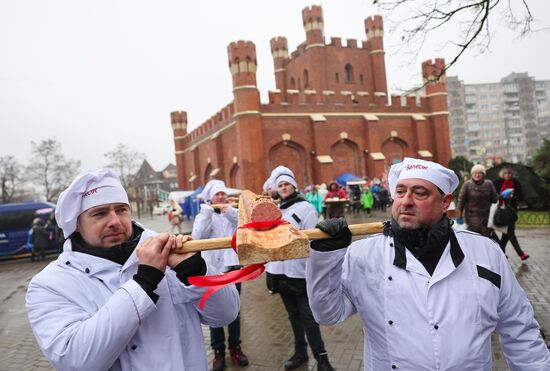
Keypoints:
pixel 302 215
pixel 414 321
pixel 87 313
pixel 209 224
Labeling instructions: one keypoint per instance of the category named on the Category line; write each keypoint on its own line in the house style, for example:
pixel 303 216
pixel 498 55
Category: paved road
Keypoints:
pixel 267 337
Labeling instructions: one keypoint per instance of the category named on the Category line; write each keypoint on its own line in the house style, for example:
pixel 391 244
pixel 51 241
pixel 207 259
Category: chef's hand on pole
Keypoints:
pixel 155 250
pixel 338 229
pixel 174 259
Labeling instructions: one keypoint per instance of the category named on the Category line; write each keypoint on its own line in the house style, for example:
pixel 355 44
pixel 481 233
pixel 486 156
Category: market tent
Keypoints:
pixel 350 179
pixel 191 204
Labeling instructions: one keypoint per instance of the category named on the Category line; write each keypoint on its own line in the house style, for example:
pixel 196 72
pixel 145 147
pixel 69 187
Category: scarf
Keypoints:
pixel 425 243
pixel 291 200
pixel 117 254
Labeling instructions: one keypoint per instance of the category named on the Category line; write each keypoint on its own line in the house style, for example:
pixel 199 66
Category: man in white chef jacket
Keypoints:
pixel 429 296
pixel 216 223
pixel 117 297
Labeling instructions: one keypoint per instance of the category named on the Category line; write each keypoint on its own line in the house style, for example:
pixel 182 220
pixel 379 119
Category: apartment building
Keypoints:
pixel 503 121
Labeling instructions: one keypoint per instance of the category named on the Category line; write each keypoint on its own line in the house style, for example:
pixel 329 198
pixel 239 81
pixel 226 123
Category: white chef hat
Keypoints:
pixel 282 174
pixel 443 178
pixel 267 185
pixel 89 189
pixel 211 188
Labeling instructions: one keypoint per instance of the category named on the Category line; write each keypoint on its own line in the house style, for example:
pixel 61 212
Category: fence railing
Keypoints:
pixel 531 218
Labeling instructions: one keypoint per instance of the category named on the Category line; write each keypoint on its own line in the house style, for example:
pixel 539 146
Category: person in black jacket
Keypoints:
pixel 508 181
pixel 40 238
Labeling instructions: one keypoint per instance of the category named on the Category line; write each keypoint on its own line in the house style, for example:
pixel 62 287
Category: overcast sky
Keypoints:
pixel 98 73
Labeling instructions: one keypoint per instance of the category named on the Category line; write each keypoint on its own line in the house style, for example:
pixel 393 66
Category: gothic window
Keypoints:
pixel 337 77
pixel 306 79
pixel 292 83
pixel 349 73
pixel 361 79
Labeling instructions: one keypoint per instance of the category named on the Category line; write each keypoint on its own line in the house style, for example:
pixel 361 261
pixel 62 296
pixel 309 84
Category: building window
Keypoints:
pixel 361 79
pixel 292 83
pixel 337 77
pixel 306 79
pixel 349 73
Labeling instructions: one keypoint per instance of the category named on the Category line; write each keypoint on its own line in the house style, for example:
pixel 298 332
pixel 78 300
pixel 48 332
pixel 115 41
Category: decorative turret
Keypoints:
pixel 312 17
pixel 433 75
pixel 179 122
pixel 279 51
pixel 374 29
pixel 242 63
pixel 179 127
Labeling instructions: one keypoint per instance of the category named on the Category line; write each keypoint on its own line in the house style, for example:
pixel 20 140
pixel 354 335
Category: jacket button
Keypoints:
pixel 393 366
pixel 391 244
pixel 134 347
pixel 390 278
pixel 436 327
pixel 68 262
pixel 87 270
pixel 390 322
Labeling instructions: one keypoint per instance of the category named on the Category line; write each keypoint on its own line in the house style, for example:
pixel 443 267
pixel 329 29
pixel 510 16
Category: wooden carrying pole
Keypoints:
pixel 312 234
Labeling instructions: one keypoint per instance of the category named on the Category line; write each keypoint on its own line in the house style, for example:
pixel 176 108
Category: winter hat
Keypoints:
pixel 89 189
pixel 412 168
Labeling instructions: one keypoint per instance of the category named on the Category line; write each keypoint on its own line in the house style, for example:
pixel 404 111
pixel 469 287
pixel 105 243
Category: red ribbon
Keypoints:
pixel 216 282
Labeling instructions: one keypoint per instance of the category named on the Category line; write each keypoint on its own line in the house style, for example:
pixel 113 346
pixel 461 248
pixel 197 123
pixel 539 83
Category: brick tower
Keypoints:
pixel 247 115
pixel 279 51
pixel 374 29
pixel 179 129
pixel 433 74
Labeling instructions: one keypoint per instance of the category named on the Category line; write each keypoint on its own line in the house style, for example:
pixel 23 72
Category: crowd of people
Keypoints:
pixel 336 199
pixel 119 296
pixel 478 196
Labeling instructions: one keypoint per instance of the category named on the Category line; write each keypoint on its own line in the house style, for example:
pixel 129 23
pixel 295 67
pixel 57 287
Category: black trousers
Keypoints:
pixel 303 324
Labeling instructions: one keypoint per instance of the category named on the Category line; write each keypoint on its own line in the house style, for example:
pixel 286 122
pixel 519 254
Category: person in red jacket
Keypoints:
pixel 336 200
pixel 508 181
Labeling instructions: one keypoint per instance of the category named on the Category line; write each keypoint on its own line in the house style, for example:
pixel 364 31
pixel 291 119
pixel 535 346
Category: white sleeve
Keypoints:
pixel 232 215
pixel 220 309
pixel 311 218
pixel 73 339
pixel 325 276
pixel 520 337
pixel 202 227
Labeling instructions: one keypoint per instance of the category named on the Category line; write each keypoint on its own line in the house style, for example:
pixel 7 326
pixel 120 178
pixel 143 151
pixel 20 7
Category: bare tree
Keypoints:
pixel 126 161
pixel 474 18
pixel 10 170
pixel 50 169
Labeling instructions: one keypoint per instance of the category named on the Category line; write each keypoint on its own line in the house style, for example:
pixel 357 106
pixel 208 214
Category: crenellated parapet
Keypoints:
pixel 312 17
pixel 242 62
pixel 374 27
pixel 433 71
pixel 351 43
pixel 179 122
pixel 279 48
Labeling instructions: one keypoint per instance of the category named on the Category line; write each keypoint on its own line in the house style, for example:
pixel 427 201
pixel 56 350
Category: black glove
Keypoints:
pixel 338 229
pixel 193 266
